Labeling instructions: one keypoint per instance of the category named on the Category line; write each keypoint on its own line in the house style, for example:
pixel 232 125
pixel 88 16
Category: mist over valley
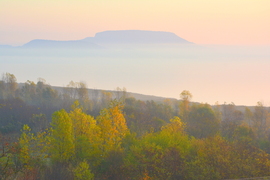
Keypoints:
pixel 146 62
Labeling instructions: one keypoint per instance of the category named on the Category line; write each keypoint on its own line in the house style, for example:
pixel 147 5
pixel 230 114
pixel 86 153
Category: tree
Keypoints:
pixel 39 122
pixel 248 116
pixel 70 90
pixel 10 83
pixel 82 123
pixel 244 133
pixel 217 158
pixel 86 133
pixel 161 155
pixel 33 152
pixel 121 94
pixel 106 98
pixel 2 89
pixel 24 142
pixel 62 137
pixel 41 84
pixel 28 91
pixel 259 121
pixel 202 121
pixel 69 95
pixel 49 95
pixel 231 119
pixel 84 96
pixel 217 111
pixel 184 106
pixel 176 126
pixel 8 152
pixel 82 172
pixel 113 126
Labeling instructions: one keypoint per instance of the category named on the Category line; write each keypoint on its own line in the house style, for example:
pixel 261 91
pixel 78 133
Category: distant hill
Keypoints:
pixel 142 97
pixel 115 38
pixel 137 37
pixel 98 92
pixel 39 43
pixel 5 46
pixel 137 96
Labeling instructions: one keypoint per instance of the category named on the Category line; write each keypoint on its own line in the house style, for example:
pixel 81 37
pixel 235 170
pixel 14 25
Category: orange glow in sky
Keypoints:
pixel 230 22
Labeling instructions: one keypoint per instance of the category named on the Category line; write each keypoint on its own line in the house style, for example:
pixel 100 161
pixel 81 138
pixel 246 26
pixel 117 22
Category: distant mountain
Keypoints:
pixel 47 44
pixel 5 46
pixel 136 37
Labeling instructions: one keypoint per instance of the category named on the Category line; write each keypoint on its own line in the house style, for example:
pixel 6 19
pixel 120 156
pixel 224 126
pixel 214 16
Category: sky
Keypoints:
pixel 226 22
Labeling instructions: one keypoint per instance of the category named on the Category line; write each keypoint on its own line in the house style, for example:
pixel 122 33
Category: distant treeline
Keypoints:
pixel 48 134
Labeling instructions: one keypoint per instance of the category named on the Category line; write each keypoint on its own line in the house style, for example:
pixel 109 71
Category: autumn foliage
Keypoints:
pixel 128 138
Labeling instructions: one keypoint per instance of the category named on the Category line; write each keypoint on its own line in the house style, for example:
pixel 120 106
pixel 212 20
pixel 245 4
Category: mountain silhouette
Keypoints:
pixel 47 44
pixel 5 46
pixel 136 37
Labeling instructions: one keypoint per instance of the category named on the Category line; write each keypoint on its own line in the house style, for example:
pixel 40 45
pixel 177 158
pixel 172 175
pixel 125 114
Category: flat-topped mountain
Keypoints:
pixel 136 36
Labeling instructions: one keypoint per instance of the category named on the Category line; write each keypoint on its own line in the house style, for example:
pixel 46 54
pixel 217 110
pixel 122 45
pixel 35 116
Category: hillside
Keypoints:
pixel 93 92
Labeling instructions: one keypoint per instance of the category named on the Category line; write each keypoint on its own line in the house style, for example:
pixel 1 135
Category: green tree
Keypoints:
pixel 161 155
pixel 217 158
pixel 202 121
pixel 62 137
pixel 244 133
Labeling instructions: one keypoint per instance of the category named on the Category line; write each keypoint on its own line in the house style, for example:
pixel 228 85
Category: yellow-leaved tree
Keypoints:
pixel 62 137
pixel 113 127
pixel 86 133
pixel 82 172
pixel 32 152
pixel 24 142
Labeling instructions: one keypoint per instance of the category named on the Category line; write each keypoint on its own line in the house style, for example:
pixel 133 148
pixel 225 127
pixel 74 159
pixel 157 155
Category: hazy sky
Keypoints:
pixel 238 22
